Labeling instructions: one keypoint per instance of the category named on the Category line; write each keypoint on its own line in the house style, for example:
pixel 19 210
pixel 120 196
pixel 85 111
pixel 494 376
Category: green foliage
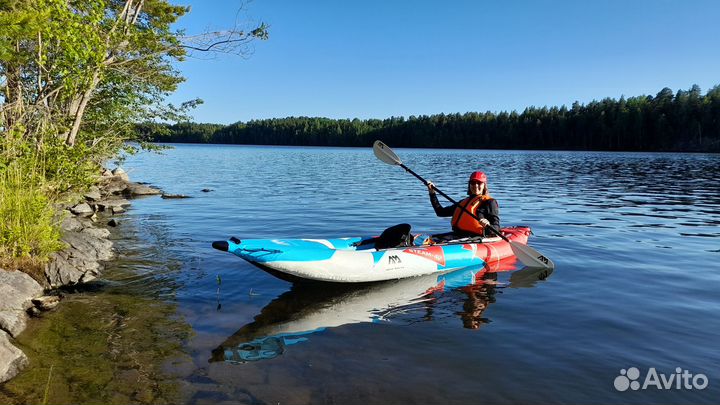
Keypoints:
pixel 686 121
pixel 68 168
pixel 75 77
pixel 85 70
pixel 27 225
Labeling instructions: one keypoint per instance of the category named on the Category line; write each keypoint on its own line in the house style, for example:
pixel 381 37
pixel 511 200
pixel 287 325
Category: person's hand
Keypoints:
pixel 431 187
pixel 484 222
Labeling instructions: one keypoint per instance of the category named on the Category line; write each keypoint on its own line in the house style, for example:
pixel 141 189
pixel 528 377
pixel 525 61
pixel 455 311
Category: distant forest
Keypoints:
pixel 680 121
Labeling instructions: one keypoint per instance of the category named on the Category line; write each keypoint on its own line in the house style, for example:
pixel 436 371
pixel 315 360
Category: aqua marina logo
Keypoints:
pixel 679 380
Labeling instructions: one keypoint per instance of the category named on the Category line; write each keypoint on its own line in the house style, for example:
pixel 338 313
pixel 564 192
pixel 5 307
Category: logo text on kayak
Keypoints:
pixel 679 380
pixel 434 253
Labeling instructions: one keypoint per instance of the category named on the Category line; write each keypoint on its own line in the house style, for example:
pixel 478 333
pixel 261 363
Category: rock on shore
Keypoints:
pixel 12 360
pixel 81 261
pixel 88 247
pixel 17 290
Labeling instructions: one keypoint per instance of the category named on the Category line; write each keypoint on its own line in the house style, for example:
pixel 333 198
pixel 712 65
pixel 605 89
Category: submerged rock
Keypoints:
pixel 47 302
pixel 175 196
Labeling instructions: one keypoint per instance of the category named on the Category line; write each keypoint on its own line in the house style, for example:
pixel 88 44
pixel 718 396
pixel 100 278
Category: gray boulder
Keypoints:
pixel 71 223
pixel 113 186
pixel 111 203
pixel 82 210
pixel 88 245
pixel 93 194
pixel 135 189
pixel 80 261
pixel 120 173
pixel 12 360
pixel 96 233
pixel 60 272
pixel 17 289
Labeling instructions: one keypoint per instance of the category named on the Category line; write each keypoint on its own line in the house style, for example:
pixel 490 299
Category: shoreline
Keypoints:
pixel 424 148
pixel 85 231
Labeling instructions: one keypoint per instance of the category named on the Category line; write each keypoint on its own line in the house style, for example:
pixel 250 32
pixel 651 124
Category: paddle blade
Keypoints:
pixel 384 153
pixel 531 257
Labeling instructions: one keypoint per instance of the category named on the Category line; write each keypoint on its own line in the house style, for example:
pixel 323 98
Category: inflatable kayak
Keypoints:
pixel 360 260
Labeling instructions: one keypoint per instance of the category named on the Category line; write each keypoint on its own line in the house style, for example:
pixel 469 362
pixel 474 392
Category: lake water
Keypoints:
pixel 635 238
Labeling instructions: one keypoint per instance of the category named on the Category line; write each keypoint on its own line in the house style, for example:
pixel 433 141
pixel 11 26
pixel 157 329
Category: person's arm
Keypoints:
pixel 439 209
pixel 491 212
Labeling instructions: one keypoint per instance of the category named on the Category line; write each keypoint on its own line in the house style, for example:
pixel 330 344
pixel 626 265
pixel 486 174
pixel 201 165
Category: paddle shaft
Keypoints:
pixel 491 228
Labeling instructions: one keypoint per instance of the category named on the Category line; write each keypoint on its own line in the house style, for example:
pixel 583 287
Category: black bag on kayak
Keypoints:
pixel 395 236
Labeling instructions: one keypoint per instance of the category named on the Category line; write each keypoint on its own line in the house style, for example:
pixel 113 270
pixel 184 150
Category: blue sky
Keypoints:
pixel 376 59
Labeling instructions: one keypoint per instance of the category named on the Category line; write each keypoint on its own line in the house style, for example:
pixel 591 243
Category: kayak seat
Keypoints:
pixel 395 236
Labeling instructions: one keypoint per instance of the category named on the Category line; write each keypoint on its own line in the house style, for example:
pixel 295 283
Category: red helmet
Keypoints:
pixel 479 177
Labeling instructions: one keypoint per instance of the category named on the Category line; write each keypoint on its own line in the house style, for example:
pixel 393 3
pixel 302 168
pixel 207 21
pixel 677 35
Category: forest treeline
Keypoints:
pixel 685 120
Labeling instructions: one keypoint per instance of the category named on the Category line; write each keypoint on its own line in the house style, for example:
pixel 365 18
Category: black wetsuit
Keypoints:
pixel 488 209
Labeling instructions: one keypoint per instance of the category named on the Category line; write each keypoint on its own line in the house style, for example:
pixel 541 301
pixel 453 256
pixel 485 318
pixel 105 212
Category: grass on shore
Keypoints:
pixel 34 177
pixel 28 229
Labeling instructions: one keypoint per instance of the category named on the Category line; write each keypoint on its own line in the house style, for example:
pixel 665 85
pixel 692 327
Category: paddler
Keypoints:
pixel 477 202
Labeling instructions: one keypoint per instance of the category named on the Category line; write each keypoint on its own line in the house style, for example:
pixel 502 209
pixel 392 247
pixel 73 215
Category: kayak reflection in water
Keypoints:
pixel 304 310
pixel 478 202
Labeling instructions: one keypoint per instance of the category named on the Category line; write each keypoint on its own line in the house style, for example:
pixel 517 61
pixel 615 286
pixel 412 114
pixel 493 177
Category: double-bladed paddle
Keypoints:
pixel 527 255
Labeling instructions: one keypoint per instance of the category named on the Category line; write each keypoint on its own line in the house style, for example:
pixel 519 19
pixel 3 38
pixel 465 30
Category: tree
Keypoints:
pixel 111 60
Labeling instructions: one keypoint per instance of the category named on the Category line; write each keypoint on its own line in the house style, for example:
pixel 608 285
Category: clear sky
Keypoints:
pixel 382 58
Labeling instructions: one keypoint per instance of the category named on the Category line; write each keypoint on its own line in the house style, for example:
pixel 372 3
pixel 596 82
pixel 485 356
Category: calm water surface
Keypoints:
pixel 635 239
